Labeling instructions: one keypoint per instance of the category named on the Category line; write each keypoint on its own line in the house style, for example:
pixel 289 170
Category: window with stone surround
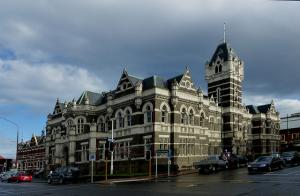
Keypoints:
pixel 164 114
pixel 120 120
pixel 80 125
pixel 202 117
pixel 128 118
pixel 191 117
pixel 183 116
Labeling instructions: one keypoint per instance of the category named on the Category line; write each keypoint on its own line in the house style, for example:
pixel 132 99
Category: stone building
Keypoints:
pixel 31 154
pixel 161 114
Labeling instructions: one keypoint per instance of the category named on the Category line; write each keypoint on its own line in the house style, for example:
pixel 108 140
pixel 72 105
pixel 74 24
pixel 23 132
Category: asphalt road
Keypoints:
pixel 231 182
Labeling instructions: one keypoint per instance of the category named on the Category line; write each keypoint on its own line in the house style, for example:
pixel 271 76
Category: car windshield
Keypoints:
pixel 286 154
pixel 215 157
pixel 263 159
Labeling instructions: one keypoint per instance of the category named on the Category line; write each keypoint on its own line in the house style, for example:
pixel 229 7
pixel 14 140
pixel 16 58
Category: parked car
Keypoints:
pixel 265 164
pixel 211 164
pixel 7 175
pixel 64 174
pixel 240 161
pixel 20 177
pixel 291 157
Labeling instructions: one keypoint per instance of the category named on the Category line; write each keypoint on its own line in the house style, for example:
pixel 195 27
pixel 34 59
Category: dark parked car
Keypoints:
pixel 291 157
pixel 212 163
pixel 265 164
pixel 64 174
pixel 241 161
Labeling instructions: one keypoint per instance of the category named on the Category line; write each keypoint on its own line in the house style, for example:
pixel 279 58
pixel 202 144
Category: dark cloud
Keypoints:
pixel 158 37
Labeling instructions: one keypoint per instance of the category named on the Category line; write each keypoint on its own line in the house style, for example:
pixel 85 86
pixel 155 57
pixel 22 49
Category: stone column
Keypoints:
pixel 72 145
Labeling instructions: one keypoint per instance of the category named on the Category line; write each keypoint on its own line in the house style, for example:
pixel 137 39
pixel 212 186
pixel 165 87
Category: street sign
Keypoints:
pixel 92 157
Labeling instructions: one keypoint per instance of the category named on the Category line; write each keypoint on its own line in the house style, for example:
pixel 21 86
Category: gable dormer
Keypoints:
pixel 186 81
pixel 127 82
pixel 58 107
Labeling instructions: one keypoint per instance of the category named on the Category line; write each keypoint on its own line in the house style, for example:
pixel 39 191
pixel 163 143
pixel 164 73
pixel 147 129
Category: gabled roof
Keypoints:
pixel 224 52
pixel 258 109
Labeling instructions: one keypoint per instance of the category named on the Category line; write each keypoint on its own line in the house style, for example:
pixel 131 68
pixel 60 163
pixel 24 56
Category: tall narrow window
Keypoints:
pixel 216 69
pixel 128 118
pixel 107 124
pixel 148 114
pixel 80 125
pixel 220 68
pixel 211 120
pixel 202 119
pixel 191 117
pixel 183 116
pixel 218 97
pixel 164 114
pixel 120 120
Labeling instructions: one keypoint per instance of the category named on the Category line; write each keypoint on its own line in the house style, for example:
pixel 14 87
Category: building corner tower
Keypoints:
pixel 224 74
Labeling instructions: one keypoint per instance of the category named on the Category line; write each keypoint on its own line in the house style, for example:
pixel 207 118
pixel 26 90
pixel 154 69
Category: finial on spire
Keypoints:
pixel 224 32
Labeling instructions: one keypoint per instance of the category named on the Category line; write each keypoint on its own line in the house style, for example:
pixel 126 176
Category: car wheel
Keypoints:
pixel 280 167
pixel 61 180
pixel 213 168
pixel 269 169
pixel 49 181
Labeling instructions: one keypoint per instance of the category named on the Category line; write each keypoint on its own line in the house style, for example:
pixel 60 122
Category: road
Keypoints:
pixel 231 182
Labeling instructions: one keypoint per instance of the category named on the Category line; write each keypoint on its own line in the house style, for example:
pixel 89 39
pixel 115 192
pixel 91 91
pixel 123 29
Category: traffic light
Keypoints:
pixel 148 155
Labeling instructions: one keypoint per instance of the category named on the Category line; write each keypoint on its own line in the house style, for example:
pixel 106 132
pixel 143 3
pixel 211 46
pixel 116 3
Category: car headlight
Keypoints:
pixel 249 166
pixel 262 165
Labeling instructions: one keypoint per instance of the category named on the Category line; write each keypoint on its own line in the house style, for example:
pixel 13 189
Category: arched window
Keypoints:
pixel 107 124
pixel 148 114
pixel 216 69
pixel 80 126
pixel 128 118
pixel 183 116
pixel 220 68
pixel 191 117
pixel 164 114
pixel 101 125
pixel 202 117
pixel 120 120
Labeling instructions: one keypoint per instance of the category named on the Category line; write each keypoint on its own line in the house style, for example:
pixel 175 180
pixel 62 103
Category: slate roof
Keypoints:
pixel 94 98
pixel 134 80
pixel 258 109
pixel 154 81
pixel 227 54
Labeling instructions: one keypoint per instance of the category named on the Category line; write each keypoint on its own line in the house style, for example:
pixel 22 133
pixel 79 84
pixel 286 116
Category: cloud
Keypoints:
pixel 38 85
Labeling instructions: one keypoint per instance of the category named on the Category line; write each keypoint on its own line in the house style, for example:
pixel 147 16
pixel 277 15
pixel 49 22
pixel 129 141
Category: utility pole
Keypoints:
pixel 112 152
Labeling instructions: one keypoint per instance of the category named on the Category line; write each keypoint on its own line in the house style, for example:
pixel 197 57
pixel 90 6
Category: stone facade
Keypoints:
pixel 157 114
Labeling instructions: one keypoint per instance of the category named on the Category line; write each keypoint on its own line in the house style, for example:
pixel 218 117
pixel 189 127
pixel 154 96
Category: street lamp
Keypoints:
pixel 15 124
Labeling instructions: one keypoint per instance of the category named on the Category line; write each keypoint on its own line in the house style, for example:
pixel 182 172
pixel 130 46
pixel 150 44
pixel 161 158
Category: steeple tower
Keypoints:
pixel 224 74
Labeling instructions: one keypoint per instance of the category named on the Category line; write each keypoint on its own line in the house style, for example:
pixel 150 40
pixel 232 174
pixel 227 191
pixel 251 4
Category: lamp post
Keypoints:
pixel 112 152
pixel 15 124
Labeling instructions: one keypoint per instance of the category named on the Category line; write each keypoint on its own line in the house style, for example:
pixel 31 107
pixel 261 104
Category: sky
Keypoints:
pixel 57 49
